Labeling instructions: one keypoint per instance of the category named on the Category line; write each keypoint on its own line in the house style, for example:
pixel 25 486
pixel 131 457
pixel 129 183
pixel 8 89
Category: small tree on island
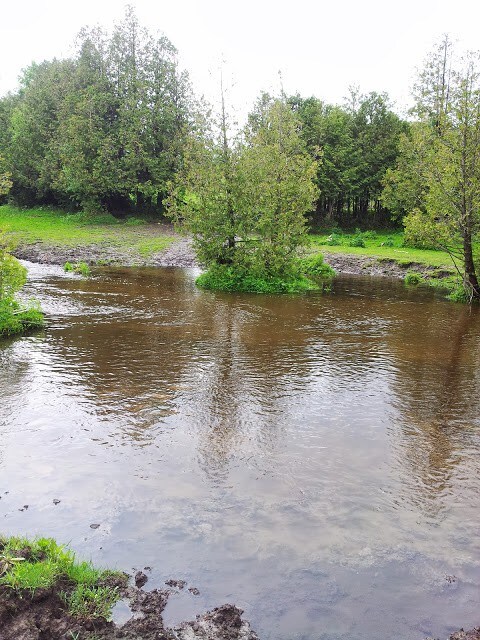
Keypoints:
pixel 245 201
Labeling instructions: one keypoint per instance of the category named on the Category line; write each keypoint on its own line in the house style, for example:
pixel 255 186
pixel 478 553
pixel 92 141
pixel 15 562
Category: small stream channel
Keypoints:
pixel 312 459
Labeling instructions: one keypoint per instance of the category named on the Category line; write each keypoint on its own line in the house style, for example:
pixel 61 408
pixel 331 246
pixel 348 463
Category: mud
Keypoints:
pixel 42 615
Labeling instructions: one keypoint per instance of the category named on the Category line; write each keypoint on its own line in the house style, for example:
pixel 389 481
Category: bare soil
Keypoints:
pixel 43 615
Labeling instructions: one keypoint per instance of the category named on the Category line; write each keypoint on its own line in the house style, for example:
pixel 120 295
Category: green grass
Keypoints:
pixel 16 320
pixel 229 279
pixel 91 601
pixel 59 229
pixel 149 246
pixel 28 565
pixel 381 244
pixel 81 268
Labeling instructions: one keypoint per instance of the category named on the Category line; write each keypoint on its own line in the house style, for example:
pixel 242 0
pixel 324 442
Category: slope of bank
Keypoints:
pixel 52 237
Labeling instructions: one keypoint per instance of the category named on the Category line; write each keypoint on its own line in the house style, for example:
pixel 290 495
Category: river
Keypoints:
pixel 313 459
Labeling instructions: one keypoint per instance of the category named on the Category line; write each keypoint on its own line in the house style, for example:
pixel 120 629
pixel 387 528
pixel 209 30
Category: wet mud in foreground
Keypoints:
pixel 43 615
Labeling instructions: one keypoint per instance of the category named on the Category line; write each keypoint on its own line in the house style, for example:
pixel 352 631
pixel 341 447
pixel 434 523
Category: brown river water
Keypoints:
pixel 312 459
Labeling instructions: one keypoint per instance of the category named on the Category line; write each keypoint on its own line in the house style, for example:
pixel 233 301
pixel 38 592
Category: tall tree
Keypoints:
pixel 277 178
pixel 245 202
pixel 203 197
pixel 444 154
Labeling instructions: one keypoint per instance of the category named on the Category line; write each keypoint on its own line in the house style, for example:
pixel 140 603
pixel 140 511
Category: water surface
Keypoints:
pixel 313 459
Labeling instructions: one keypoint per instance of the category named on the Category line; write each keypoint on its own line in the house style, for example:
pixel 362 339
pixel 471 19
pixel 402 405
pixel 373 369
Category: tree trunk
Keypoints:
pixel 470 273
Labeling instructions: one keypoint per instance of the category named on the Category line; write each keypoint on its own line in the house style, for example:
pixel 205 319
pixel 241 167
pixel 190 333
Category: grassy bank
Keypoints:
pixel 29 565
pixel 54 228
pixel 47 235
pixel 420 266
pixel 380 244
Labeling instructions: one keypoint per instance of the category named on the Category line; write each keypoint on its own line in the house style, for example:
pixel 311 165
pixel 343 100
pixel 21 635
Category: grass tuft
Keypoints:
pixel 27 565
pixel 91 602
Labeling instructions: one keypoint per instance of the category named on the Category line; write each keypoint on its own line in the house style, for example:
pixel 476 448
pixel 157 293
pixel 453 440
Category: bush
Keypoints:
pixel 459 294
pixel 315 266
pixel 388 242
pixel 412 278
pixel 357 240
pixel 15 320
pixel 81 268
pixel 334 240
pixel 228 278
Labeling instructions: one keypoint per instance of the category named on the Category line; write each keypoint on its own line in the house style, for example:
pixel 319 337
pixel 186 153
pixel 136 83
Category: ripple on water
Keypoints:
pixel 314 458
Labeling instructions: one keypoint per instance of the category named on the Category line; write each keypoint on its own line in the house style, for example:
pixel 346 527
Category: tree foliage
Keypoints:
pixel 103 129
pixel 244 200
pixel 358 143
pixel 437 179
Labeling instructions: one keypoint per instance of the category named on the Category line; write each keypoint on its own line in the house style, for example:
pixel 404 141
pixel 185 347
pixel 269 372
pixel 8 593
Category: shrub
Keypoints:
pixel 357 240
pixel 81 268
pixel 228 278
pixel 388 242
pixel 315 266
pixel 334 240
pixel 412 278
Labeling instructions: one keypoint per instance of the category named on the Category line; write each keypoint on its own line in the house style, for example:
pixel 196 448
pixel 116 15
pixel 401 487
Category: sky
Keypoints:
pixel 321 48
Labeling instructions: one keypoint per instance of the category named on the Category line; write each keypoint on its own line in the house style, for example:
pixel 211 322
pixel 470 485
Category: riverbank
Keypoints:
pixel 46 593
pixel 50 237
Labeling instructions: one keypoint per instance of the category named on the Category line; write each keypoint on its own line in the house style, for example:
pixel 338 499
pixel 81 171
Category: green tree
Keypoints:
pixel 245 201
pixel 5 179
pixel 203 197
pixel 443 173
pixel 276 189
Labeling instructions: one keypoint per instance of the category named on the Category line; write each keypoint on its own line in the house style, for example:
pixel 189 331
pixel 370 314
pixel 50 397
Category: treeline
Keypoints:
pixel 356 144
pixel 103 129
pixel 106 130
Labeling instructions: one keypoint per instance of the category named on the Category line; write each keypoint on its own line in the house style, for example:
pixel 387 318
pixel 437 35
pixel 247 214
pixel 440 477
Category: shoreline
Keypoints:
pixel 180 254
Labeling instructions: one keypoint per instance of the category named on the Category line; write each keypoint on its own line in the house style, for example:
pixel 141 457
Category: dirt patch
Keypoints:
pixel 121 250
pixel 346 263
pixel 43 615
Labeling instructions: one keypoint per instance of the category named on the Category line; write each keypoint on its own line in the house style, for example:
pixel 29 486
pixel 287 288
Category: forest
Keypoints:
pixel 117 128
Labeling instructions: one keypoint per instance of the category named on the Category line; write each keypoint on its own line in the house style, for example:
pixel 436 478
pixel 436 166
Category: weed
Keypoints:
pixel 81 268
pixel 15 320
pixel 31 575
pixel 91 602
pixel 224 278
pixel 412 278
pixel 315 266
pixel 334 240
pixel 83 573
pixel 357 241
pixel 459 294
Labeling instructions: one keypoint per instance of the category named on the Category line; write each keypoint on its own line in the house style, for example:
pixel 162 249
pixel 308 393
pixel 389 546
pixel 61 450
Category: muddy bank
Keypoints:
pixel 43 615
pixel 180 254
pixel 177 254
